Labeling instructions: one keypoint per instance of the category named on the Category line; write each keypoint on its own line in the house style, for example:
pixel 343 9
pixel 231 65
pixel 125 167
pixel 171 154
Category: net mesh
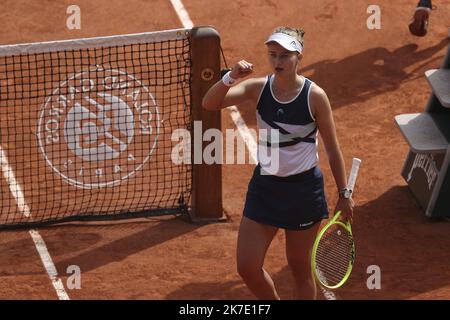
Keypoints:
pixel 87 133
pixel 334 255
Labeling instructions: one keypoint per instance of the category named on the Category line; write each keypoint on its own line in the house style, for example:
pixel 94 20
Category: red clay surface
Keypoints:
pixel 369 75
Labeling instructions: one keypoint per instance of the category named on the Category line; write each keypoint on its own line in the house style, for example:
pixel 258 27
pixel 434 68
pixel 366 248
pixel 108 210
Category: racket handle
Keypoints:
pixel 353 173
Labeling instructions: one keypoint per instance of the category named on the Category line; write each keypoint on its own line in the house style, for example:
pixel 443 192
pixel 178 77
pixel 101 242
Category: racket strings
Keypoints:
pixel 334 255
pixel 333 263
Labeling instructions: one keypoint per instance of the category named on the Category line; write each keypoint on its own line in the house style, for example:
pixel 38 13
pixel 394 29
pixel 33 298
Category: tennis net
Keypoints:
pixel 86 128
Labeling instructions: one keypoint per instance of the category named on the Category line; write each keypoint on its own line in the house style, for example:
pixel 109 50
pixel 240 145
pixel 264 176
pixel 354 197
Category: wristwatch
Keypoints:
pixel 345 193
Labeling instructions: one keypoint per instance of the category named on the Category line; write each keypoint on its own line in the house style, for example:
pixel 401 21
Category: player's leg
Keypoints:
pixel 253 241
pixel 298 251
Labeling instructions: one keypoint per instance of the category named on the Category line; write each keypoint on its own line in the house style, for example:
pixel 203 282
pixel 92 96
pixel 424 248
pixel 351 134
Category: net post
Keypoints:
pixel 207 178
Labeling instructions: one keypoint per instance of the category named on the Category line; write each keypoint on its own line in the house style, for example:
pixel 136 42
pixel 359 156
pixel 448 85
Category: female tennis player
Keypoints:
pixel 291 195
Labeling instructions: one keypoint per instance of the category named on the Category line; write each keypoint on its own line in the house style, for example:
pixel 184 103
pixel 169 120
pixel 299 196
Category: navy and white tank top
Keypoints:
pixel 294 149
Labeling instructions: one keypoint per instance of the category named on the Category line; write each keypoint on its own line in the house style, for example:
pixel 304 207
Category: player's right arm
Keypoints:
pixel 220 96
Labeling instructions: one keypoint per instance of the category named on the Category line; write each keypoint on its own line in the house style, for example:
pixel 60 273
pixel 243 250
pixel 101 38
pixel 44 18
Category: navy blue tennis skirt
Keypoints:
pixel 295 202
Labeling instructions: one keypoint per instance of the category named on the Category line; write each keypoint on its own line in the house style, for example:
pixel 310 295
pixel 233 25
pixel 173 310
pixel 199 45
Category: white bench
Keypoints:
pixel 421 133
pixel 439 80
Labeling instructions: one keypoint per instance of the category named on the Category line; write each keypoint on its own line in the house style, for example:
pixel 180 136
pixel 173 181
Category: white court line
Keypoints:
pixel 182 13
pixel 49 265
pixel 41 248
pixel 245 133
pixel 14 187
pixel 235 114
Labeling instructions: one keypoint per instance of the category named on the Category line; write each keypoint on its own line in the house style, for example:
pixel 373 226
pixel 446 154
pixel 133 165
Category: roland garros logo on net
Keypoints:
pixel 98 128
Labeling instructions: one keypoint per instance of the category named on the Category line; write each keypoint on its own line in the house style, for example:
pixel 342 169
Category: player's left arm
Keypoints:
pixel 321 110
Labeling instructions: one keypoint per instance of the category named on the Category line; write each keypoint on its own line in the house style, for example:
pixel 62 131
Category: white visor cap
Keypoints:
pixel 286 41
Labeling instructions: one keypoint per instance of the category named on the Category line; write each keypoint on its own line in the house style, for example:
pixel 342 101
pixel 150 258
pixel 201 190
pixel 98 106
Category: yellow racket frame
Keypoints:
pixel 345 225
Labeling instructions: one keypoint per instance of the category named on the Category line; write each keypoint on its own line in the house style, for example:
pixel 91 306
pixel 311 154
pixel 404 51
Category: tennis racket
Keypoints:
pixel 333 251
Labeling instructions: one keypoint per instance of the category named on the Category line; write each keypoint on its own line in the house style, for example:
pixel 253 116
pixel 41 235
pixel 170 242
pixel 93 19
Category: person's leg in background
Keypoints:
pixel 419 22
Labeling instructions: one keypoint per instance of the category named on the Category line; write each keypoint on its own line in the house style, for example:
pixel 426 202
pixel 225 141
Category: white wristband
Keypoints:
pixel 228 80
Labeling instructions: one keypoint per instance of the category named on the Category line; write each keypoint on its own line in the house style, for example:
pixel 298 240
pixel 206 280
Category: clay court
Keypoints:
pixel 370 77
